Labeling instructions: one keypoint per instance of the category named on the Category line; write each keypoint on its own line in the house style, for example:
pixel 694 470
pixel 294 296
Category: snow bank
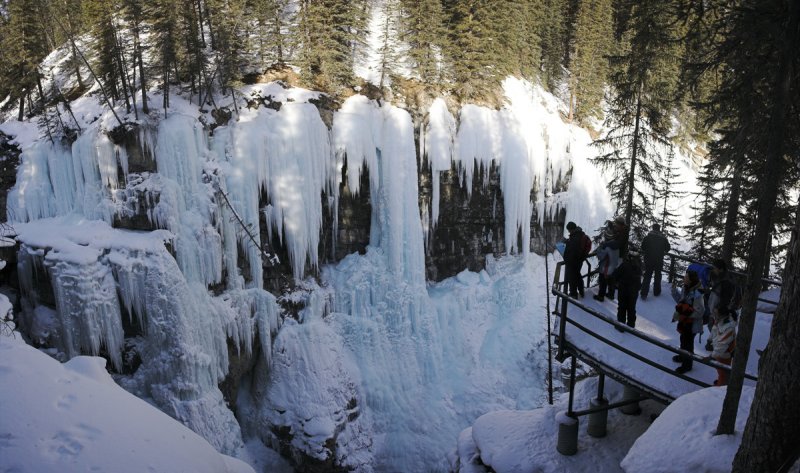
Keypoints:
pixel 682 438
pixel 72 417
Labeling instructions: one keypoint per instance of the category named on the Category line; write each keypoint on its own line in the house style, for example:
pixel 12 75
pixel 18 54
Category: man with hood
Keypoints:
pixel 654 246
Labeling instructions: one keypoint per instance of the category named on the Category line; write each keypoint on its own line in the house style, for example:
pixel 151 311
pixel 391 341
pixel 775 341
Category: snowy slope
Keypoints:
pixel 72 417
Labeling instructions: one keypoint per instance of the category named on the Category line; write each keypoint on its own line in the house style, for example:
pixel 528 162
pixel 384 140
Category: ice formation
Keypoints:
pixel 419 361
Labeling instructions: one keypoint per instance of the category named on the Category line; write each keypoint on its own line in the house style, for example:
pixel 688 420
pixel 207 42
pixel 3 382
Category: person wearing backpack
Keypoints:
pixel 607 261
pixel 654 246
pixel 689 315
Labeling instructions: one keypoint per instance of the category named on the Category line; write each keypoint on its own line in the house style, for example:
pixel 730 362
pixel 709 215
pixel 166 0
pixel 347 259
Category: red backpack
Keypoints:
pixel 586 243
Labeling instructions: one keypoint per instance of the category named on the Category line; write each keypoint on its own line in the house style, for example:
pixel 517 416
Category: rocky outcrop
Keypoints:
pixel 9 161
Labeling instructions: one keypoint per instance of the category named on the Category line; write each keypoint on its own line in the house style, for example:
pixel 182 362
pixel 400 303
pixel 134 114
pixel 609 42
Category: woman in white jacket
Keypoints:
pixel 723 339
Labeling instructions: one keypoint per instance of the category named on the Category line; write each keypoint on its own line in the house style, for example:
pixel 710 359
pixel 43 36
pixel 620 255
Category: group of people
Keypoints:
pixel 706 297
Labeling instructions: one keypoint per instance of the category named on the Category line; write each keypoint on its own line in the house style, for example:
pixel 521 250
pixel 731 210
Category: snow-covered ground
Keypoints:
pixel 58 417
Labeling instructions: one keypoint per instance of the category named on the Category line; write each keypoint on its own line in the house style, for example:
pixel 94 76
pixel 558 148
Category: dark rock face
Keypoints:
pixel 140 156
pixel 137 202
pixel 9 161
pixel 469 227
pixel 354 213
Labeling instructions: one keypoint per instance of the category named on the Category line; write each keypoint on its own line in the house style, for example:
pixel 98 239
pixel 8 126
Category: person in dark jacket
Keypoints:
pixel 573 260
pixel 719 302
pixel 628 277
pixel 608 257
pixel 654 246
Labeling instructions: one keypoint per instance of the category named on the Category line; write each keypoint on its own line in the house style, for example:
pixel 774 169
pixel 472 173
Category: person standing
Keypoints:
pixel 689 315
pixel 654 246
pixel 574 254
pixel 628 277
pixel 723 340
pixel 608 254
pixel 721 295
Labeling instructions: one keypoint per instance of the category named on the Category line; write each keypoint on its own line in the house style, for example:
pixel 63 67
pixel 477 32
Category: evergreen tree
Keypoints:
pixel 667 194
pixel 703 230
pixel 588 63
pixel 422 28
pixel 330 33
pixel 644 81
pixel 273 21
pixel 388 55
pixel 24 45
pixel 554 31
pixel 759 89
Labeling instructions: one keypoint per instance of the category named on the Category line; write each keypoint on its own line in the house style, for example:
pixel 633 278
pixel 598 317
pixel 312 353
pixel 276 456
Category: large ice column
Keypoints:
pixel 314 398
pixel 33 196
pixel 180 151
pixel 184 352
pixel 87 318
pixel 88 309
pixel 437 144
pixel 286 153
pixel 53 180
pixel 396 223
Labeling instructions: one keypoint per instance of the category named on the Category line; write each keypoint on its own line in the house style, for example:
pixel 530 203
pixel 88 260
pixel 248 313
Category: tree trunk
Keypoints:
pixel 137 53
pixel 21 114
pixel 770 436
pixel 778 113
pixel 732 217
pixel 634 150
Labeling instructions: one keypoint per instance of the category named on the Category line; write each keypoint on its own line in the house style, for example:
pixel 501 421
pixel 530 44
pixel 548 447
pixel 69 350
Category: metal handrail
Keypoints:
pixel 641 335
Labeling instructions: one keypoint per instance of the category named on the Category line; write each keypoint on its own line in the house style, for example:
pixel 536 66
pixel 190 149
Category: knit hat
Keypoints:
pixel 656 227
pixel 620 220
pixel 571 226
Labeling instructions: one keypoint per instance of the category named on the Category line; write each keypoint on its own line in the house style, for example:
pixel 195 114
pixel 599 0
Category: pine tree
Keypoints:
pixel 639 123
pixel 272 32
pixel 759 89
pixel 330 33
pixel 588 63
pixel 554 31
pixel 25 45
pixel 388 55
pixel 422 28
pixel 666 195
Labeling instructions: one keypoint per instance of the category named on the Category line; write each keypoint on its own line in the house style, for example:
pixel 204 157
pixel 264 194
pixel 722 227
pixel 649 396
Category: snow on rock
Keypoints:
pixel 96 271
pixel 73 417
pixel 312 407
pixel 524 441
pixel 682 437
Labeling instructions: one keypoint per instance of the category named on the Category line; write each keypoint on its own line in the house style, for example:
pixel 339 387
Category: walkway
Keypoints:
pixel 654 321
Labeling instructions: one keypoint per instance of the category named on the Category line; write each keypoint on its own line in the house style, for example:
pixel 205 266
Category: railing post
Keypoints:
pixel 629 394
pixel 567 443
pixel 598 420
pixel 562 328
